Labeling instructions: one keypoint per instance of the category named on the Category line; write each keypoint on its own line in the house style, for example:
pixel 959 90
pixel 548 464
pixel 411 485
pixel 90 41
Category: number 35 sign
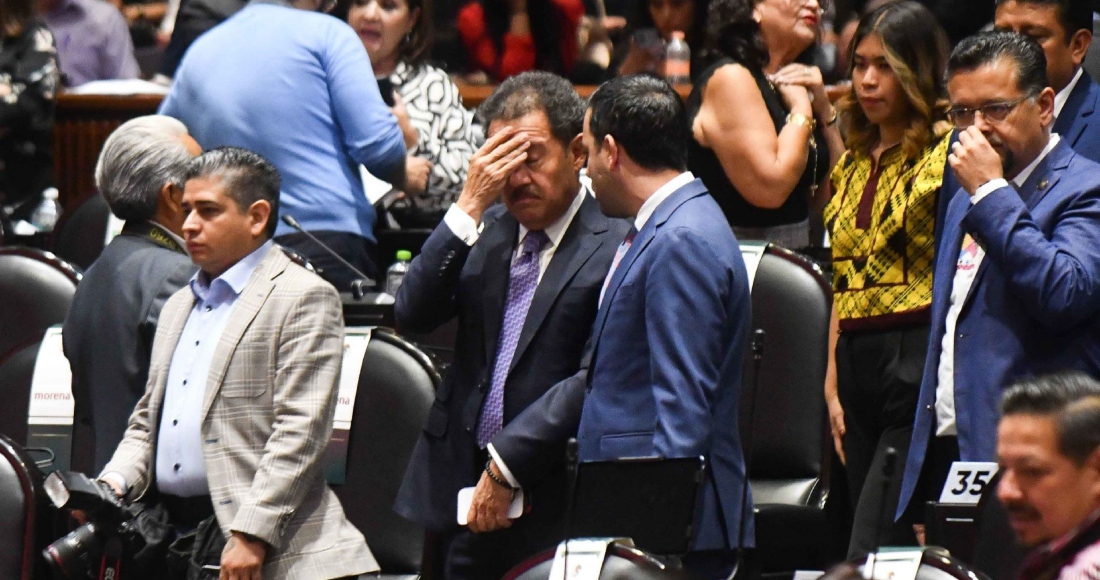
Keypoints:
pixel 967 481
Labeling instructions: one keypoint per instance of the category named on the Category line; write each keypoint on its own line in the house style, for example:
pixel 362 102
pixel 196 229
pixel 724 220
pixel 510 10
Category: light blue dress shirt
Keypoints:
pixel 296 87
pixel 180 467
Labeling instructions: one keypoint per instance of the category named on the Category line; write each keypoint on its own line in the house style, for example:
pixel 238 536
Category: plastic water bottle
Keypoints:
pixel 395 275
pixel 45 215
pixel 678 60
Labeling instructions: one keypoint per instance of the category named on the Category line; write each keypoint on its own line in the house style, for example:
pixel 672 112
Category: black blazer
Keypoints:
pixel 108 333
pixel 451 279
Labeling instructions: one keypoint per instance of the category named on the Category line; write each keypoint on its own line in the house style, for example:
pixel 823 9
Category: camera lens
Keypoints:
pixel 71 556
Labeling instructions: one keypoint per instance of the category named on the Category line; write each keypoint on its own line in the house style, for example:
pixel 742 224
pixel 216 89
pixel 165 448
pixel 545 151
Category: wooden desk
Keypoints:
pixel 81 126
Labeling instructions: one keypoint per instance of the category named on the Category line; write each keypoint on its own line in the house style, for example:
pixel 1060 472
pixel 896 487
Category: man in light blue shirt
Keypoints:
pixel 242 389
pixel 297 87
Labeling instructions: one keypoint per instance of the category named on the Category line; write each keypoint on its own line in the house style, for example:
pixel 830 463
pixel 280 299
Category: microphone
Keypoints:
pixel 757 346
pixel 358 287
pixel 571 455
pixel 888 467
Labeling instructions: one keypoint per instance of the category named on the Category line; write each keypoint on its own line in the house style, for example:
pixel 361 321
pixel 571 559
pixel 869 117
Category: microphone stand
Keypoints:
pixel 757 346
pixel 357 287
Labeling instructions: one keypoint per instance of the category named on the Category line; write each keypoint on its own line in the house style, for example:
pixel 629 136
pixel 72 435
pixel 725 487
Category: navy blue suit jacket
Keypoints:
pixel 664 366
pixel 1077 125
pixel 451 279
pixel 1079 122
pixel 1033 304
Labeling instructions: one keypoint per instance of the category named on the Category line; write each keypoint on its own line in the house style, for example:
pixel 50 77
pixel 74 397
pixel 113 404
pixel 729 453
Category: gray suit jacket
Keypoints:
pixel 108 334
pixel 267 417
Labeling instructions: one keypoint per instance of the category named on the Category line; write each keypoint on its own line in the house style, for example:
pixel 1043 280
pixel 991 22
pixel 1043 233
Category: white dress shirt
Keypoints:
pixel 970 259
pixel 180 468
pixel 1063 95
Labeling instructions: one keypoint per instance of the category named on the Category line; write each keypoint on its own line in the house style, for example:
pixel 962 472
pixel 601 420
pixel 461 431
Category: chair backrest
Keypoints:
pixel 82 233
pixel 20 485
pixel 791 303
pixel 396 388
pixel 37 289
pixel 997 553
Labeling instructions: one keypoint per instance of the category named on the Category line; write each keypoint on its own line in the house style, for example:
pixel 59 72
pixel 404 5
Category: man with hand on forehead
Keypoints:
pixel 523 278
pixel 1016 279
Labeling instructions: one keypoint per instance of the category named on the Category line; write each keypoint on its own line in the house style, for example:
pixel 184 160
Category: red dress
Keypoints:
pixel 519 51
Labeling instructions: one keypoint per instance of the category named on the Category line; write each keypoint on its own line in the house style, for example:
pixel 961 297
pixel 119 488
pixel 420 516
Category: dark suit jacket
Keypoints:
pixel 1076 124
pixel 451 279
pixel 665 363
pixel 108 334
pixel 1033 304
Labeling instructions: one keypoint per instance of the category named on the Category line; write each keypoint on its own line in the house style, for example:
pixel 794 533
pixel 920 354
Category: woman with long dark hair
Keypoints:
pixel 765 134
pixel 398 36
pixel 881 221
pixel 29 79
pixel 507 37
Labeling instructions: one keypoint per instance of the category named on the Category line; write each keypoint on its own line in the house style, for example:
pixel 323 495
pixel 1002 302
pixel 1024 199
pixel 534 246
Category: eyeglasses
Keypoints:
pixel 964 117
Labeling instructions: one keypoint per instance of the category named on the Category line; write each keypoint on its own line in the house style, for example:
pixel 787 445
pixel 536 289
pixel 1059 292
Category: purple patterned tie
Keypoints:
pixel 522 280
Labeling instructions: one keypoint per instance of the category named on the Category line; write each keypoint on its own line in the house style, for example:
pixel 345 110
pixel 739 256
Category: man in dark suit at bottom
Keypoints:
pixel 108 334
pixel 524 280
pixel 668 343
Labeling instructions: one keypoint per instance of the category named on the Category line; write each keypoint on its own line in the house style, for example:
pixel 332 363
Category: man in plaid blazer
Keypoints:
pixel 242 389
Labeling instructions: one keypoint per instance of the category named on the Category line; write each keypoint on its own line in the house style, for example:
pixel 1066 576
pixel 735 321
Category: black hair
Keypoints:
pixel 535 91
pixel 694 37
pixel 1073 15
pixel 732 32
pixel 646 117
pixel 246 177
pixel 1072 398
pixel 986 48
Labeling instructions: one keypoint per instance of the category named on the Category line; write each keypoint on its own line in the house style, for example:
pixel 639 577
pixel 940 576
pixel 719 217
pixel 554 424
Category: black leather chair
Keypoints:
pixel 396 389
pixel 791 302
pixel 37 289
pixel 20 513
pixel 996 551
pixel 82 233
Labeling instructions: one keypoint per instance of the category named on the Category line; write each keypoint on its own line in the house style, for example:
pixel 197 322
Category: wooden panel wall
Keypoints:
pixel 81 126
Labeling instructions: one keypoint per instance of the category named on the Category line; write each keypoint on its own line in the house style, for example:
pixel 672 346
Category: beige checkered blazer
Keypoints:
pixel 267 417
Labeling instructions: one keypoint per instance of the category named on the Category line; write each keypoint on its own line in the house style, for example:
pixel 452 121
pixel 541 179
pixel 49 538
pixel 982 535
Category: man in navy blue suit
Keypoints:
pixel 523 278
pixel 665 358
pixel 1064 29
pixel 1018 273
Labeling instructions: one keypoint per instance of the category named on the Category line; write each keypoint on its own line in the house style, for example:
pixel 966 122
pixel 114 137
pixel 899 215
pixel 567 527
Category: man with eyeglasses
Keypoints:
pixel 1017 276
pixel 295 85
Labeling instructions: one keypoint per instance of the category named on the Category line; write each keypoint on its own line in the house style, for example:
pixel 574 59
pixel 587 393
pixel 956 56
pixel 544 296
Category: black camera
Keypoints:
pixel 99 548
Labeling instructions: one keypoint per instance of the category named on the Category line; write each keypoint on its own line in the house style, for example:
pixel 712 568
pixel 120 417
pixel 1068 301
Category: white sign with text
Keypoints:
pixel 966 482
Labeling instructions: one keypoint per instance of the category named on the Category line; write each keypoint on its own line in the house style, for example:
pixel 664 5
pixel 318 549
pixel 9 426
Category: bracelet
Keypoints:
pixel 800 119
pixel 832 117
pixel 496 479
